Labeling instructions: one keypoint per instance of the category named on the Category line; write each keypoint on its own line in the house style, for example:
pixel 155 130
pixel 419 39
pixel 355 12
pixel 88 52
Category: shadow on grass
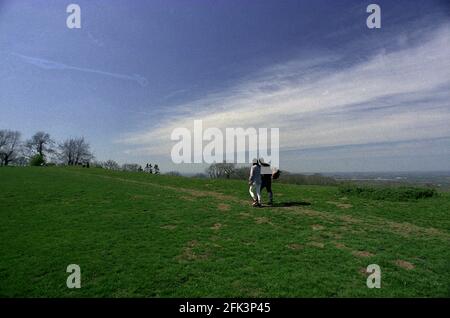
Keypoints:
pixel 290 203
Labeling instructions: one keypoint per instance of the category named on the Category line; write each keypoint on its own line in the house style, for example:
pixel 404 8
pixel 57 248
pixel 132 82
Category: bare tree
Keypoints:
pixel 21 161
pixel 111 165
pixel 75 151
pixel 40 144
pixel 9 146
pixel 131 167
pixel 220 170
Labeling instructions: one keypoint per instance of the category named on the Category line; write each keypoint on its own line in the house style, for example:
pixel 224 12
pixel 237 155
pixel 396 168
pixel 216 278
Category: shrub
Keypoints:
pixel 402 193
pixel 37 160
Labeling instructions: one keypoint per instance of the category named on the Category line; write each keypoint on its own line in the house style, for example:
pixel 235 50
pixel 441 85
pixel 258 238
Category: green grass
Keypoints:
pixel 139 235
pixel 388 193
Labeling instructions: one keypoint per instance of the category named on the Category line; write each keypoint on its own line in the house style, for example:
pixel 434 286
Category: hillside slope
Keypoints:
pixel 140 235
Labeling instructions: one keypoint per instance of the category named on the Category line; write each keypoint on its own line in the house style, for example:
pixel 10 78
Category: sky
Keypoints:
pixel 344 97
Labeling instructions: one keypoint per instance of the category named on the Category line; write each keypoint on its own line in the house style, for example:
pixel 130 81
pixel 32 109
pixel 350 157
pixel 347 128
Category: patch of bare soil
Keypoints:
pixel 140 197
pixel 403 229
pixel 341 205
pixel 192 192
pixel 199 193
pixel 223 207
pixel 363 271
pixel 262 220
pixel 404 264
pixel 408 229
pixel 317 227
pixel 187 198
pixel 216 226
pixel 336 236
pixel 309 212
pixel 248 242
pixel 362 254
pixel 294 246
pixel 349 219
pixel 340 246
pixel 169 227
pixel 316 244
pixel 189 254
pixel 245 289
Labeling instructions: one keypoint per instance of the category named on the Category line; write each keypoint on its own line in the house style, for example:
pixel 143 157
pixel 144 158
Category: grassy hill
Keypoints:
pixel 141 235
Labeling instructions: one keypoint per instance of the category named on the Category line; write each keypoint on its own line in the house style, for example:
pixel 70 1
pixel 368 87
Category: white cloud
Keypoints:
pixel 317 103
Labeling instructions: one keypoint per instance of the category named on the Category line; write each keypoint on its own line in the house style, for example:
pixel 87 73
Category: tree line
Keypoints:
pixel 231 171
pixel 41 149
pixel 134 167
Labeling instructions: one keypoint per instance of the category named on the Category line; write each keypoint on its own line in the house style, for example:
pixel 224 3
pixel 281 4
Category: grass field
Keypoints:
pixel 140 235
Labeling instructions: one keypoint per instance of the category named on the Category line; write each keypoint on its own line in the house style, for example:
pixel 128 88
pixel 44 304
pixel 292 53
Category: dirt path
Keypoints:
pixel 403 229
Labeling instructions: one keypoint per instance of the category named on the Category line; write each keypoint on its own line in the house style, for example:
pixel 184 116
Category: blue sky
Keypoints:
pixel 345 97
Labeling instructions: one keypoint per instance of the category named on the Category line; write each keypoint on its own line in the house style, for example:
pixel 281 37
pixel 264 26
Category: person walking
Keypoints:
pixel 254 182
pixel 266 179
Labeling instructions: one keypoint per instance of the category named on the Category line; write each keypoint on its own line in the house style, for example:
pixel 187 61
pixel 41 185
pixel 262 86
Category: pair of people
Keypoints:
pixel 260 178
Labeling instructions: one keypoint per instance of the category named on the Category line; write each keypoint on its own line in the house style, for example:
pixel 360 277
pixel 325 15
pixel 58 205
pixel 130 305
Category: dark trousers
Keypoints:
pixel 267 184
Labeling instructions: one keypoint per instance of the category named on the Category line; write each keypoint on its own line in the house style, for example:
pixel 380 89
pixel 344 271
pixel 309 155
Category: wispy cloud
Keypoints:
pixel 53 65
pixel 392 96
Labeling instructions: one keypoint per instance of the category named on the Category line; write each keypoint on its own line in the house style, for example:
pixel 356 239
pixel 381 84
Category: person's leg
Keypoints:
pixel 251 191
pixel 258 192
pixel 263 185
pixel 269 190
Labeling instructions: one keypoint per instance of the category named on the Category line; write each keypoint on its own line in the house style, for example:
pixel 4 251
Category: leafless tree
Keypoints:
pixel 9 146
pixel 111 165
pixel 40 144
pixel 75 151
pixel 220 170
pixel 131 167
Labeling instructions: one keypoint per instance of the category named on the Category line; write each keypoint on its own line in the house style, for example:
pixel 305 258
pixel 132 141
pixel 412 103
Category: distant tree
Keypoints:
pixel 220 170
pixel 111 165
pixel 156 169
pixel 241 173
pixel 75 151
pixel 40 144
pixel 133 167
pixel 22 161
pixel 149 168
pixel 37 160
pixel 97 164
pixel 212 171
pixel 9 146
